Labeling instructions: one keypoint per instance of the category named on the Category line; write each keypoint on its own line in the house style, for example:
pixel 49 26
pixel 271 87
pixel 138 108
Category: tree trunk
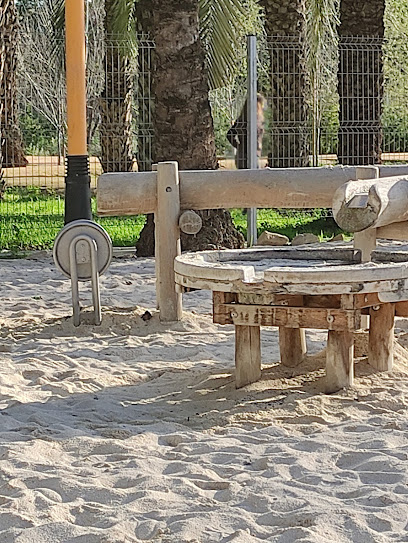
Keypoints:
pixel 115 102
pixel 285 27
pixel 360 81
pixel 11 141
pixel 183 126
pixel 144 102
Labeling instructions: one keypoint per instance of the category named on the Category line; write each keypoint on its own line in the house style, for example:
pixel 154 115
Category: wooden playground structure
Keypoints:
pixel 336 289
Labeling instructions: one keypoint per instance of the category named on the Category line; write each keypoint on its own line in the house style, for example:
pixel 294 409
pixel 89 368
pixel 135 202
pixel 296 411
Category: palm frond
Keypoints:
pixel 223 24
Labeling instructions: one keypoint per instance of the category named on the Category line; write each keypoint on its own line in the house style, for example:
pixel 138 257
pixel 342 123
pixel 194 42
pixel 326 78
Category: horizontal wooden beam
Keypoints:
pixel 396 230
pixel 290 317
pixel 135 193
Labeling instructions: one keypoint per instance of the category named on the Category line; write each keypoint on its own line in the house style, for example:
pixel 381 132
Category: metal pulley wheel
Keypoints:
pixel 83 251
pixel 80 229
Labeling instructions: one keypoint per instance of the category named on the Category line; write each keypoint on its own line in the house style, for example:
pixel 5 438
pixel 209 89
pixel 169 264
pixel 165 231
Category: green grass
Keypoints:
pixel 30 218
pixel 290 222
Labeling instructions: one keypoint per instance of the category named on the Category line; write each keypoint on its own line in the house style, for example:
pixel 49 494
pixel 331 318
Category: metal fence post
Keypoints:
pixel 252 143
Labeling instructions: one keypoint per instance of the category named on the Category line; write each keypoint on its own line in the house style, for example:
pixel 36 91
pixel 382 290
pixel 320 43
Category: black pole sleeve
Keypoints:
pixel 77 189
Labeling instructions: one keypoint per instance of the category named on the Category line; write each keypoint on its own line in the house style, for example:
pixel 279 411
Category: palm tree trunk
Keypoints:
pixel 360 81
pixel 285 27
pixel 11 141
pixel 183 126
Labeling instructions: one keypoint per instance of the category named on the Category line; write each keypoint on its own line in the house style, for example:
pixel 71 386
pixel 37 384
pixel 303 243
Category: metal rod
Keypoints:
pixel 73 264
pixel 252 125
pixel 95 282
pixel 74 281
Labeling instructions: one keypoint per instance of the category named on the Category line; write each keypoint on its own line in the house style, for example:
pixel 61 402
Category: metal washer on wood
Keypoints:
pixel 64 239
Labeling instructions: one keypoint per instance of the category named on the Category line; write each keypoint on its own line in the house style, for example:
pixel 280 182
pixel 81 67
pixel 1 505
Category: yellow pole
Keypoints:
pixel 77 190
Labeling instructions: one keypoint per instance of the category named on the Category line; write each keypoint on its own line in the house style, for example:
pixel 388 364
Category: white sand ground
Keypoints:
pixel 133 431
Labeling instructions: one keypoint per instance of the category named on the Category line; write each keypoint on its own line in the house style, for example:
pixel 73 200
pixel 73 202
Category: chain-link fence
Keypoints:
pixel 356 114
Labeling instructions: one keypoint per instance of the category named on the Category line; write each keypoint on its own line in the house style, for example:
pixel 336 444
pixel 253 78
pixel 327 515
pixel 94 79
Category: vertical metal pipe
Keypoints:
pixel 252 139
pixel 77 180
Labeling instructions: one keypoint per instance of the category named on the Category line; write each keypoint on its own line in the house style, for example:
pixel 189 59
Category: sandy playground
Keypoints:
pixel 133 431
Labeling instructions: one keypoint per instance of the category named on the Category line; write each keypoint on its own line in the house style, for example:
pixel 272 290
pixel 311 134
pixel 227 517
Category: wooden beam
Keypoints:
pixel 292 346
pixel 289 317
pixel 381 337
pixel 167 241
pixel 247 355
pixel 339 360
pixel 134 193
pixel 396 230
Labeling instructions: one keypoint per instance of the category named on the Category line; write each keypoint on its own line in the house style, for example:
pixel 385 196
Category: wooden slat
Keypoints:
pixel 401 309
pixel 247 355
pixel 292 346
pixel 381 337
pixel 270 299
pixel 339 360
pixel 290 317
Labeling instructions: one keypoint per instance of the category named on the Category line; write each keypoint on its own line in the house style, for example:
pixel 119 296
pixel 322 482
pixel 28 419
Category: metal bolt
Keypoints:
pixel 330 318
pixel 234 314
pixel 168 189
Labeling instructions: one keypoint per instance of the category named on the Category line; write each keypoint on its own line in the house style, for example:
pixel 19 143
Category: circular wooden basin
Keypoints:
pixel 296 270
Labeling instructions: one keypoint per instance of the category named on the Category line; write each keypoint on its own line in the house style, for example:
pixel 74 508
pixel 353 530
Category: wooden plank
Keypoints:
pixel 247 355
pixel 396 230
pixel 366 300
pixel 328 300
pixel 339 360
pixel 366 242
pixel 401 309
pixel 290 317
pixel 167 241
pixel 381 337
pixel 292 346
pixel 269 299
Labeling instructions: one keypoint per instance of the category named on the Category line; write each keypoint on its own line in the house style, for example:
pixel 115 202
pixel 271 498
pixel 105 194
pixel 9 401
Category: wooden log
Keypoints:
pixel 167 241
pixel 292 346
pixel 339 360
pixel 401 309
pixel 381 337
pixel 134 193
pixel 383 202
pixel 396 230
pixel 247 355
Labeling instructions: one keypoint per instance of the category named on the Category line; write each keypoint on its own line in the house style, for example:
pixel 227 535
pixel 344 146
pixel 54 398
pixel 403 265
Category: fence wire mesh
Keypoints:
pixel 356 113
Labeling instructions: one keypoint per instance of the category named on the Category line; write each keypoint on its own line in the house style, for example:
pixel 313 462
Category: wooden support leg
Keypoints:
pixel 381 337
pixel 247 355
pixel 292 345
pixel 339 360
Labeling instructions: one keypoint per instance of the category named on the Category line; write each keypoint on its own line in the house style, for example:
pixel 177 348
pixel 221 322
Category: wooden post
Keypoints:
pixel 339 360
pixel 381 337
pixel 292 345
pixel 167 241
pixel 366 241
pixel 247 355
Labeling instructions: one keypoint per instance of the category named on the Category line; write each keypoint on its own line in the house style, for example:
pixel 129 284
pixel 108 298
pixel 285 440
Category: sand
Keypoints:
pixel 133 431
